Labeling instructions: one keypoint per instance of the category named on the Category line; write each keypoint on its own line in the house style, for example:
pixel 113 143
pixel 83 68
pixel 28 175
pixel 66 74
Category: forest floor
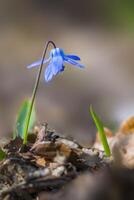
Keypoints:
pixel 52 167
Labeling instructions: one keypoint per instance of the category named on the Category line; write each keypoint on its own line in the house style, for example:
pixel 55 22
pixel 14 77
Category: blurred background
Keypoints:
pixel 100 32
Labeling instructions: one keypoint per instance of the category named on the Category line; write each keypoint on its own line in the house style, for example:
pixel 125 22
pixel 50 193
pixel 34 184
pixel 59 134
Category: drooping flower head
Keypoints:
pixel 56 61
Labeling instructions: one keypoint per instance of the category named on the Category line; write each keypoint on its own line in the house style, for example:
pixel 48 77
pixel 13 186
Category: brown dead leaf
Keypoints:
pixel 40 162
pixel 127 126
pixel 14 145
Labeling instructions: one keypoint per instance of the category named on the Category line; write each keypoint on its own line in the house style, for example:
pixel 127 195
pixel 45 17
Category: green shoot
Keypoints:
pixel 2 154
pixel 21 120
pixel 100 128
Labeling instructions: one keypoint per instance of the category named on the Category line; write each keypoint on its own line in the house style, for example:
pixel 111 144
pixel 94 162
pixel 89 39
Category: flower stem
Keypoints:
pixel 34 92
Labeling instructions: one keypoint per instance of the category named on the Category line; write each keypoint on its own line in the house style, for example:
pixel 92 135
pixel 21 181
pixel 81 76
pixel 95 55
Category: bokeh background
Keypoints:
pixel 100 32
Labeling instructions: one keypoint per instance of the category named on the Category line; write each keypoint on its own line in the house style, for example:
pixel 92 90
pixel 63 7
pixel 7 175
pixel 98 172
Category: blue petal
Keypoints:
pixel 74 57
pixel 57 52
pixel 57 64
pixel 72 62
pixel 37 63
pixel 48 75
pixel 62 69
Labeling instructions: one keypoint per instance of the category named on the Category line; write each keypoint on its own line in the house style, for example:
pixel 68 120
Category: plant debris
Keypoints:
pixel 52 167
pixel 47 163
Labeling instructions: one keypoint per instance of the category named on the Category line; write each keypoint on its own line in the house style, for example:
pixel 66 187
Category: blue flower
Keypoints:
pixel 56 63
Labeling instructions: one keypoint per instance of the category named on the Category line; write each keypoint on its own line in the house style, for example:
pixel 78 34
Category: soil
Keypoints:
pixel 52 167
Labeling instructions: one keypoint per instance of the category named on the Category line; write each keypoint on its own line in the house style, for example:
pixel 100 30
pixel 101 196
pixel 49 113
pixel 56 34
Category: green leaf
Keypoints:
pixel 2 154
pixel 100 128
pixel 21 119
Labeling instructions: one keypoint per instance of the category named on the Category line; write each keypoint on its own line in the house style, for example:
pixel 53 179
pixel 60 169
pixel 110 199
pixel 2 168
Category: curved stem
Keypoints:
pixel 35 91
